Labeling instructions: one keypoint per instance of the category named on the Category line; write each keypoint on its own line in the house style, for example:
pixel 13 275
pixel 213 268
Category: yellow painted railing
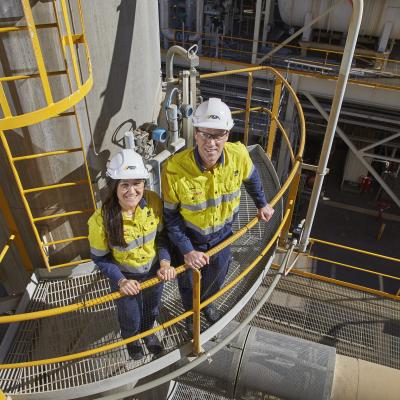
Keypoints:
pixel 67 42
pixel 324 63
pixel 197 306
pixel 369 271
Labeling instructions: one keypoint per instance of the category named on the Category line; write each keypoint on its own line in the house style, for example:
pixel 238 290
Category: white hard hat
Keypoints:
pixel 127 164
pixel 213 113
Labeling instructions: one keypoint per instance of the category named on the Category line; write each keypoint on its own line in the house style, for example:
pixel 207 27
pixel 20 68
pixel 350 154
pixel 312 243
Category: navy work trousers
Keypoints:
pixel 212 278
pixel 137 313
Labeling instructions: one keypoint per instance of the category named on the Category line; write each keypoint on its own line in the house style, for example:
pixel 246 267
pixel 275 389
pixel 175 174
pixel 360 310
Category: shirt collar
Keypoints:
pixel 142 202
pixel 199 162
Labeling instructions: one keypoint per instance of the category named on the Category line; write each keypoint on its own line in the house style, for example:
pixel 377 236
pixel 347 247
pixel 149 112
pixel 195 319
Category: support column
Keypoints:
pixel 284 158
pixel 267 15
pixel 337 101
pixel 256 32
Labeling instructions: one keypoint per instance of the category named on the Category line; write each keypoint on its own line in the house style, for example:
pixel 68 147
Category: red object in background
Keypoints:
pixel 365 184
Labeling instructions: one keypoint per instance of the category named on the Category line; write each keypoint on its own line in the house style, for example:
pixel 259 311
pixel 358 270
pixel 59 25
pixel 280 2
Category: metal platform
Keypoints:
pixel 357 323
pixel 90 328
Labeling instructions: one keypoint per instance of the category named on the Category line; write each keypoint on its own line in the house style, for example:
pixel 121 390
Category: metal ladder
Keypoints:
pixel 68 42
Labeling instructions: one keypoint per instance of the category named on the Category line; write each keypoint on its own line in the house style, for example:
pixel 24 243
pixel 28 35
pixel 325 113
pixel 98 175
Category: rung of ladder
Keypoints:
pixel 24 27
pixel 49 153
pixel 66 214
pixel 56 186
pixel 69 264
pixel 30 76
pixel 71 239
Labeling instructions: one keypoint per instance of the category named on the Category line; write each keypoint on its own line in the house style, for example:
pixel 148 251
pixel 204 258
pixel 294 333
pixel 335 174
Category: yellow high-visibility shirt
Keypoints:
pixel 139 231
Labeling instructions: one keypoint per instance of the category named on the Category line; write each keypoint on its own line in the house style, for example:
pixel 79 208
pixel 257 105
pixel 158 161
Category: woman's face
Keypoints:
pixel 129 193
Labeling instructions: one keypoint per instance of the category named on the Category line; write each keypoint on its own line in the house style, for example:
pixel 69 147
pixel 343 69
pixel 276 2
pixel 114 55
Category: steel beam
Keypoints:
pixel 340 89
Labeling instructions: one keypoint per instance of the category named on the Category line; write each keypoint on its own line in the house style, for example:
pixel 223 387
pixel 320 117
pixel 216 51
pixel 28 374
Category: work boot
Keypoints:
pixel 135 351
pixel 153 344
pixel 212 314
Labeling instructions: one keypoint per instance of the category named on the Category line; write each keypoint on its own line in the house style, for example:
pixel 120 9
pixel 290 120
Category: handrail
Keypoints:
pixel 341 246
pixel 164 325
pixel 325 53
pixel 353 267
pixel 323 278
pixel 6 247
pixel 359 53
pixel 116 295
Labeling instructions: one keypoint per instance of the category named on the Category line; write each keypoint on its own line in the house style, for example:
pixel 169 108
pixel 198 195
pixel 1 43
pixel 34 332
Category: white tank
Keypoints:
pixel 376 14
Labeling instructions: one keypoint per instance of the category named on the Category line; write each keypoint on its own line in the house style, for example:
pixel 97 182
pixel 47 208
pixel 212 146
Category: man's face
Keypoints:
pixel 210 143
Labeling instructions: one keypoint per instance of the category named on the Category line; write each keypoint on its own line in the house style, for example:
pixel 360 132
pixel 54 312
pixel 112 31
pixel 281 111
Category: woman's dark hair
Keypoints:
pixel 112 216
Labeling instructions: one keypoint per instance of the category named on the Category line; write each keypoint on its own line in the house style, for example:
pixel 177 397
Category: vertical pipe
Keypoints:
pixel 196 312
pixel 186 122
pixel 274 116
pixel 267 14
pixel 294 187
pixel 199 23
pixel 256 32
pixel 248 105
pixel 333 117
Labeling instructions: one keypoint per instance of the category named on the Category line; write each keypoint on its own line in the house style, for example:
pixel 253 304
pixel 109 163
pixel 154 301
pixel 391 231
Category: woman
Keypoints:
pixel 128 246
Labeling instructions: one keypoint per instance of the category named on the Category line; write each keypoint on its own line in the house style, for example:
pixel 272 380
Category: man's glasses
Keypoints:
pixel 216 138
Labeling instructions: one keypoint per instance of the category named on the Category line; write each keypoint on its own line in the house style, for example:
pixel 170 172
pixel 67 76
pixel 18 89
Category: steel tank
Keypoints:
pixel 376 15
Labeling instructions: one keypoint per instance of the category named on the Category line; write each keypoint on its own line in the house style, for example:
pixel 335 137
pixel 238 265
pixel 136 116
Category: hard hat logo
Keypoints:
pixel 127 164
pixel 213 114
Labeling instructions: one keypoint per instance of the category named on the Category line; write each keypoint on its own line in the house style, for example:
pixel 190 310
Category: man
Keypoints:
pixel 201 192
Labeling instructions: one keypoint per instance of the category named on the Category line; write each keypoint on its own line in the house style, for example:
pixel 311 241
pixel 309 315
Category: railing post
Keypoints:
pixel 274 116
pixel 248 105
pixel 294 187
pixel 196 312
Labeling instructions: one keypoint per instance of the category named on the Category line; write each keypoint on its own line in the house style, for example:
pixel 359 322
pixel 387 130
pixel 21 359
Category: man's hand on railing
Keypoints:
pixel 166 272
pixel 265 213
pixel 129 287
pixel 196 259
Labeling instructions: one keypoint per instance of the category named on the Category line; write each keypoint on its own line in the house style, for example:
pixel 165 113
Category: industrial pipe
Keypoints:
pixel 189 55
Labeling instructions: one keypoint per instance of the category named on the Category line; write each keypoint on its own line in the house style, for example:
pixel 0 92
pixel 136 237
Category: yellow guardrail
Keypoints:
pixel 197 306
pixel 351 267
pixel 380 64
pixel 195 311
pixel 67 44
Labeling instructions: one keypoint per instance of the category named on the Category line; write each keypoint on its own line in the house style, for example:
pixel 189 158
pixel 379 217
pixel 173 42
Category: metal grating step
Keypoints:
pixel 87 329
pixel 357 323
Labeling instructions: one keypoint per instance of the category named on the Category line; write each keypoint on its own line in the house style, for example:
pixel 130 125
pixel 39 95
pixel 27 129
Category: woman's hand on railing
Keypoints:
pixel 166 271
pixel 196 259
pixel 129 287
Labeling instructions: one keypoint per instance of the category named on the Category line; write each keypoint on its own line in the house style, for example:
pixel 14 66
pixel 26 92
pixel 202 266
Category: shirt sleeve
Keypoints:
pixel 255 189
pixel 162 242
pixel 172 218
pixel 97 235
pixel 107 267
